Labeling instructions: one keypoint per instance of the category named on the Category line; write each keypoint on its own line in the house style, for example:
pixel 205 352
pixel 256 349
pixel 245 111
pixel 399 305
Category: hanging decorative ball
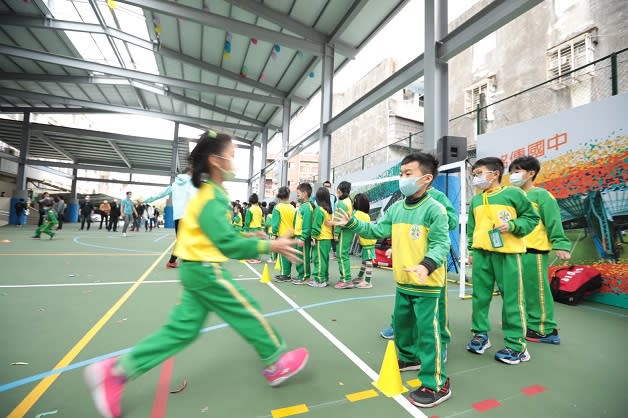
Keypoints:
pixel 254 41
pixel 312 74
pixel 263 77
pixel 229 36
pixel 277 48
pixel 227 47
pixel 111 3
pixel 226 55
pixel 157 29
pixel 244 71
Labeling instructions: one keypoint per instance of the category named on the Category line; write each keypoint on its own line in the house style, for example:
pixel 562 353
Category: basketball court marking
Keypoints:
pixel 27 403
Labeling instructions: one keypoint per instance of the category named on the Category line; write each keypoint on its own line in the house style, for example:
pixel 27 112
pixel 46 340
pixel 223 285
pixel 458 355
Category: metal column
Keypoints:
pixel 327 87
pixel 174 159
pixel 250 183
pixel 262 176
pixel 285 140
pixel 20 181
pixel 436 83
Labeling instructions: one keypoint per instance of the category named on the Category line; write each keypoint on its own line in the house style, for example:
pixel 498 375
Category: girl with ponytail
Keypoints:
pixel 206 241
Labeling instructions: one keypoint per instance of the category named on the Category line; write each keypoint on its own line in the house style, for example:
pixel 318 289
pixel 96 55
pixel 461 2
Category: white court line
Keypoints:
pixel 161 237
pixel 18 286
pixel 400 399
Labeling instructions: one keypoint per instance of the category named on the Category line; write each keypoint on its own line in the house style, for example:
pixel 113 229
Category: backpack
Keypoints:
pixel 571 284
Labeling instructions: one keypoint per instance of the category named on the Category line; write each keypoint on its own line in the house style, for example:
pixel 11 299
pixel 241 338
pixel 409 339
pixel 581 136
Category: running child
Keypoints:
pixel 206 241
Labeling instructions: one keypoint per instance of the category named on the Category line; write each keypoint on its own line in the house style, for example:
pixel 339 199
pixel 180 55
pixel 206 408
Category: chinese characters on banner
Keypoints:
pixel 536 149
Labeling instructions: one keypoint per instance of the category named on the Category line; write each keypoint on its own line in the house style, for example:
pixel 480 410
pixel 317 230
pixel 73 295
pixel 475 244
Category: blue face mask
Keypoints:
pixel 408 186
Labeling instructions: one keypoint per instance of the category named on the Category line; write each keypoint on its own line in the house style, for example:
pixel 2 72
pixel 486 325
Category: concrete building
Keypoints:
pixel 553 38
pixel 386 123
pixel 301 168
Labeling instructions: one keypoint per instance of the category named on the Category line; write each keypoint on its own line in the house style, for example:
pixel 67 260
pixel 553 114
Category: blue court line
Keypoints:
pixel 77 241
pixel 24 381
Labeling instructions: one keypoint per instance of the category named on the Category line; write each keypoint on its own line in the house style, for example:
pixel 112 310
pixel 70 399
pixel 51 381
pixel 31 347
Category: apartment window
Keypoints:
pixel 472 94
pixel 566 57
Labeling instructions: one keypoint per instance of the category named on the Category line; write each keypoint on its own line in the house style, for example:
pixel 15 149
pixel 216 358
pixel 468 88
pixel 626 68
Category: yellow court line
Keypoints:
pixel 360 396
pixel 415 383
pixel 75 254
pixel 27 403
pixel 289 411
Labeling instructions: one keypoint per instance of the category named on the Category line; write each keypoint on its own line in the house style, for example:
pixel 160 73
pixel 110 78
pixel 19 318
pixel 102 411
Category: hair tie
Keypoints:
pixel 212 134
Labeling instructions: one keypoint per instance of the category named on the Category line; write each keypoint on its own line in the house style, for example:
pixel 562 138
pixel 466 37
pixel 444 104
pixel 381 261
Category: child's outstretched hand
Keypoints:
pixel 285 247
pixel 341 218
pixel 563 255
pixel 420 271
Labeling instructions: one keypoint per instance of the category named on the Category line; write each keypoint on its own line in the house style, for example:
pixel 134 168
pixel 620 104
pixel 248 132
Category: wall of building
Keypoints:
pixel 516 56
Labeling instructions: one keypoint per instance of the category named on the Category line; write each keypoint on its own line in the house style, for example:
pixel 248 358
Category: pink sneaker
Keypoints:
pixel 288 365
pixel 344 285
pixel 172 265
pixel 105 387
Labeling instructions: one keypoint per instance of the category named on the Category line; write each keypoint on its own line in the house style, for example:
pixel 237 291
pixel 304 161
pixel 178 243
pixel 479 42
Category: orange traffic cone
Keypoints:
pixel 265 275
pixel 389 380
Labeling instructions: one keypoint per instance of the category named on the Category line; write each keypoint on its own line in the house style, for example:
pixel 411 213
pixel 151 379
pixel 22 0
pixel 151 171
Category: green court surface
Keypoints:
pixel 53 292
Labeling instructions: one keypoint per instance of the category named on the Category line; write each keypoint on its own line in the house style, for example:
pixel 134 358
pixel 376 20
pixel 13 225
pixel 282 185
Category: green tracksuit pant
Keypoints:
pixel 207 287
pixel 505 269
pixel 303 269
pixel 345 239
pixel 418 336
pixel 320 256
pixel 285 265
pixel 443 316
pixel 538 295
pixel 46 228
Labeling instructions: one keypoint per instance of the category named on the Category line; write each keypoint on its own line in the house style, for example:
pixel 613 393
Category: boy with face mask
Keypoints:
pixel 498 219
pixel 548 235
pixel 303 231
pixel 420 244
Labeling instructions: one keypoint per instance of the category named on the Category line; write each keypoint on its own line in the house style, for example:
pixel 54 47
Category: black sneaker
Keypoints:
pixel 426 398
pixel 282 279
pixel 405 366
pixel 551 338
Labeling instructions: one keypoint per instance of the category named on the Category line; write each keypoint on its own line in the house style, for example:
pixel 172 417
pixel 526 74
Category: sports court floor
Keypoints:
pixel 83 296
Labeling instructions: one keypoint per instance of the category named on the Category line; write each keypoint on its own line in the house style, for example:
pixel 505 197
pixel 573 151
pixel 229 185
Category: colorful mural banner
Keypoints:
pixel 584 157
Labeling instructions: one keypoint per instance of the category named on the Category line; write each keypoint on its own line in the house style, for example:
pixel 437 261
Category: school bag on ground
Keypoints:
pixel 571 284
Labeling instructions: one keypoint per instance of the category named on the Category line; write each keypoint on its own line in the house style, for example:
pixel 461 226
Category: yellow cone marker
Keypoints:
pixel 277 264
pixel 389 380
pixel 265 275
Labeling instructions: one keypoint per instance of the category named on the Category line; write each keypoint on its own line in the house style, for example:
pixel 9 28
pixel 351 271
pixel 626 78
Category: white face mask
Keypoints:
pixel 516 179
pixel 481 182
pixel 227 175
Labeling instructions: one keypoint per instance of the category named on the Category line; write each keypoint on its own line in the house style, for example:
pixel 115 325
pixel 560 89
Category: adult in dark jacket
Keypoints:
pixel 87 207
pixel 114 216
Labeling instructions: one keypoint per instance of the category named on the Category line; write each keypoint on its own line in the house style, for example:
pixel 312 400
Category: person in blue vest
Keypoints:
pixel 180 193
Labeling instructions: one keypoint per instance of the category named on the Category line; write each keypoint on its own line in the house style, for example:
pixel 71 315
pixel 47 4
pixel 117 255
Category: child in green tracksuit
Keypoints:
pixel 322 235
pixel 268 227
pixel 206 242
pixel 362 208
pixel 499 218
pixel 283 226
pixel 420 244
pixel 344 236
pixel 50 222
pixel 443 300
pixel 236 219
pixel 548 235
pixel 254 220
pixel 303 231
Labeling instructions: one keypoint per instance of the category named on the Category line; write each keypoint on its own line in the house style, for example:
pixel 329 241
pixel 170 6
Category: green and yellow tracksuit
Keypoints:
pixel 283 226
pixel 268 227
pixel 548 235
pixel 46 227
pixel 236 221
pixel 205 242
pixel 323 235
pixel 254 219
pixel 419 236
pixel 443 301
pixel 368 248
pixel 303 231
pixel 487 211
pixel 345 239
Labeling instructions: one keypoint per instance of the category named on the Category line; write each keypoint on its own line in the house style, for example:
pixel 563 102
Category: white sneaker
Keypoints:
pixel 124 235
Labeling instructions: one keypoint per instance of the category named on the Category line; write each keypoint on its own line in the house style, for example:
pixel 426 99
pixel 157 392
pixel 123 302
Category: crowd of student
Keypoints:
pixel 510 229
